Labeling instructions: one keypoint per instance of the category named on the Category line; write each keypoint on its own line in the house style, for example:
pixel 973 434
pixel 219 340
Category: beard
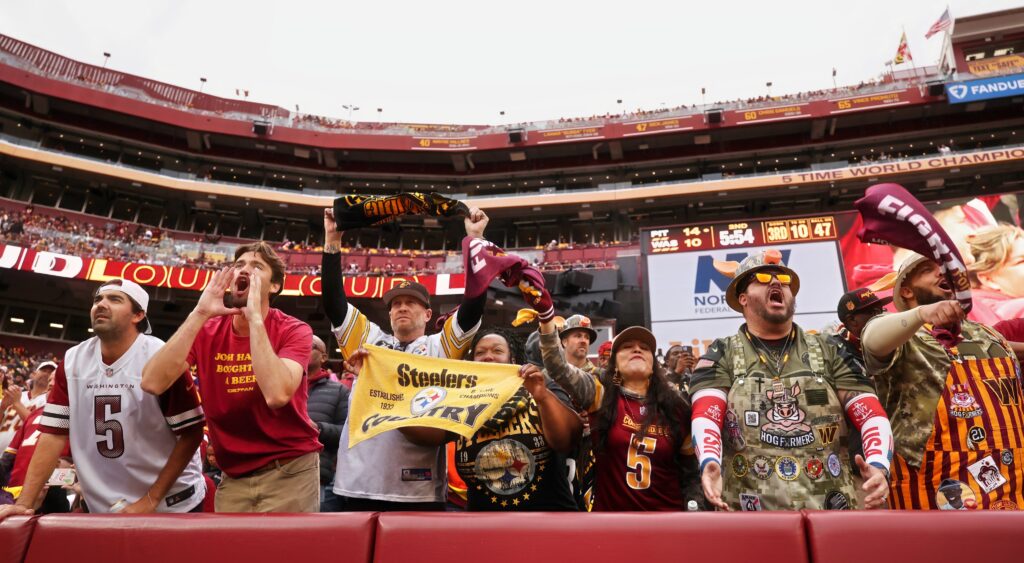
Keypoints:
pixel 761 310
pixel 107 331
pixel 927 295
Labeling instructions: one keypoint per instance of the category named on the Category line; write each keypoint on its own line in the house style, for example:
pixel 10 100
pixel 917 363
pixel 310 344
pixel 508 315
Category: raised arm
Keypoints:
pixel 472 310
pixel 278 375
pixel 331 272
pixel 884 334
pixel 171 360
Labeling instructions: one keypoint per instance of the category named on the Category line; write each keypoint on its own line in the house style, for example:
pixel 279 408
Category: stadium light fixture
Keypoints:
pixel 106 59
pixel 202 83
pixel 17 320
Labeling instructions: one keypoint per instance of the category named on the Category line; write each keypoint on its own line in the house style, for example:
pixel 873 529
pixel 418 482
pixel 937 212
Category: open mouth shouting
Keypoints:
pixel 944 286
pixel 238 294
pixel 776 297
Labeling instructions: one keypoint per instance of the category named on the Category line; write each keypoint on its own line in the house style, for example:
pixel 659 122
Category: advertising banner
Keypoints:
pixel 174 277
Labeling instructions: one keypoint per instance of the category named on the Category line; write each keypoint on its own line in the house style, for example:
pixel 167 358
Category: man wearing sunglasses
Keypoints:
pixel 772 403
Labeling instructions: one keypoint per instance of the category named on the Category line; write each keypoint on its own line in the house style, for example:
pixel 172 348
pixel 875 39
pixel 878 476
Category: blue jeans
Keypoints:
pixel 330 502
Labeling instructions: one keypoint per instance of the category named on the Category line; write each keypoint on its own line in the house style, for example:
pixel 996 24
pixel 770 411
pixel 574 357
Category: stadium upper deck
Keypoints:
pixel 96 140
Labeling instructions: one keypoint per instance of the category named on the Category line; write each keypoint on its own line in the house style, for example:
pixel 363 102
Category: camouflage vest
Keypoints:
pixel 785 439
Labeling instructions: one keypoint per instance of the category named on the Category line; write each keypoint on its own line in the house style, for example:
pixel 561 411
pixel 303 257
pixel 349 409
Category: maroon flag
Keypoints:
pixel 893 216
pixel 484 261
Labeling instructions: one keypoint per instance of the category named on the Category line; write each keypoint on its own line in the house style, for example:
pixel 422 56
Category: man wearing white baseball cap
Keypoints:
pixel 134 452
pixel 16 407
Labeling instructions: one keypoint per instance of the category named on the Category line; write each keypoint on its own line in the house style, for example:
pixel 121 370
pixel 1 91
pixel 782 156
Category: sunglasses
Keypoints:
pixel 766 278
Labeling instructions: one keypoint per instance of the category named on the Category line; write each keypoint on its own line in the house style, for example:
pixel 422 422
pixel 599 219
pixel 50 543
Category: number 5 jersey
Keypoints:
pixel 121 436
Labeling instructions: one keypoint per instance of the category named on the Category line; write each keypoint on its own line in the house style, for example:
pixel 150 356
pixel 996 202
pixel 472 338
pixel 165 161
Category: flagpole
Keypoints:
pixel 910 55
pixel 946 39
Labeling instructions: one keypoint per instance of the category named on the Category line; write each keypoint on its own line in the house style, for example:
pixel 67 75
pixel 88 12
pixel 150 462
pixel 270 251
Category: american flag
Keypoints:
pixel 945 22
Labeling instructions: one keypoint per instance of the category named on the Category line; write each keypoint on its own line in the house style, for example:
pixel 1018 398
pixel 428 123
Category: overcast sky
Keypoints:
pixel 460 61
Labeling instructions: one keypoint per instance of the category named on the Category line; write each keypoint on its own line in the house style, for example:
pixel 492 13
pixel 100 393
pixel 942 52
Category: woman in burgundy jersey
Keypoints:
pixel 640 424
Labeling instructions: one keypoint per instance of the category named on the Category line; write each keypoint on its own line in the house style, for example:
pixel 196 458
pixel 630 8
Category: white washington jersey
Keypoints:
pixel 122 435
pixel 387 466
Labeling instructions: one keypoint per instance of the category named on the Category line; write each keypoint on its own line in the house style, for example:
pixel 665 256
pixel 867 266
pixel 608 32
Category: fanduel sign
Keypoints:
pixel 986 89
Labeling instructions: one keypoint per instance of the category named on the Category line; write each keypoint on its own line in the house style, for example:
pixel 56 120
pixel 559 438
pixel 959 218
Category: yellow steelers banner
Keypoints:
pixel 395 390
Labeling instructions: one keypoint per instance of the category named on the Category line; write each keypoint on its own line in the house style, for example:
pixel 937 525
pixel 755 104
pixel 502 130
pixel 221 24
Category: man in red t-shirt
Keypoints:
pixel 250 360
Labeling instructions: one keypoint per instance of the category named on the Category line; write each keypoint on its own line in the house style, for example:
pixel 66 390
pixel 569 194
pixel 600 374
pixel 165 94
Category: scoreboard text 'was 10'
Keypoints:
pixel 741 234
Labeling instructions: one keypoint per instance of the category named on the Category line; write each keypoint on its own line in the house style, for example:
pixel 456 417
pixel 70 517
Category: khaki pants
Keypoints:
pixel 292 486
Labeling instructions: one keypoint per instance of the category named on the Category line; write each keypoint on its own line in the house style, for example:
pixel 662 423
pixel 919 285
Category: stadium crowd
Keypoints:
pixel 917 408
pixel 47 229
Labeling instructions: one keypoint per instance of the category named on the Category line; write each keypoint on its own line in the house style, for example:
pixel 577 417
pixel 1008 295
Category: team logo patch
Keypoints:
pixel 975 436
pixel 109 372
pixel 986 474
pixel 734 432
pixel 955 495
pixel 814 468
pixel 1007 457
pixel 787 467
pixel 835 500
pixel 1003 504
pixel 427 399
pixel 835 468
pixel 752 418
pixel 750 502
pixel 505 466
pixel 827 433
pixel 762 467
pixel 962 404
pixel 739 466
pixel 785 427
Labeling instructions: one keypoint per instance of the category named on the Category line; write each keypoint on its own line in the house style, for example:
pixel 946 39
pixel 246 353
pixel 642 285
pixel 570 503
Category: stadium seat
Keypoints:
pixel 914 536
pixel 15 533
pixel 594 538
pixel 290 538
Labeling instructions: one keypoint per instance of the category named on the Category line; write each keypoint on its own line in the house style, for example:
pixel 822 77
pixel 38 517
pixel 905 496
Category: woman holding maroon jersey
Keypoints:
pixel 640 424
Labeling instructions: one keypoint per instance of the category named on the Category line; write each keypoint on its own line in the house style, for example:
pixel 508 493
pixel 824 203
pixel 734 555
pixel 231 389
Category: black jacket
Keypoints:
pixel 328 407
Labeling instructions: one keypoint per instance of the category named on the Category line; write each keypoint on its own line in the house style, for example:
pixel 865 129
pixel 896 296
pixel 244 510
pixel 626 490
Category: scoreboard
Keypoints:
pixel 685 301
pixel 741 234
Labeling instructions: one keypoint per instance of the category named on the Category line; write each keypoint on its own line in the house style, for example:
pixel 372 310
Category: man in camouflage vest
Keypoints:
pixel 784 398
pixel 956 408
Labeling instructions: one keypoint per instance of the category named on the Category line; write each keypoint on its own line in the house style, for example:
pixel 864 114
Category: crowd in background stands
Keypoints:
pixel 16 363
pixel 142 244
pixel 306 120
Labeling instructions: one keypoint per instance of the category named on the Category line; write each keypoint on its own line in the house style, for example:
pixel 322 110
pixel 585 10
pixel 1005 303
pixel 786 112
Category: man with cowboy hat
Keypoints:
pixel 784 398
pixel 953 390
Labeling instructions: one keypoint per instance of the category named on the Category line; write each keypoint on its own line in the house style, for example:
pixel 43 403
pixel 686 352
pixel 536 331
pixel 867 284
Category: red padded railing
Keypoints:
pixel 778 537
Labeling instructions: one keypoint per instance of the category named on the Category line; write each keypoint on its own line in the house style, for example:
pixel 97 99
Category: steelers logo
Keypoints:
pixel 427 399
pixel 505 466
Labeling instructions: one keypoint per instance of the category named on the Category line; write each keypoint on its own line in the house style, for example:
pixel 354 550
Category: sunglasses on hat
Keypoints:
pixel 766 278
